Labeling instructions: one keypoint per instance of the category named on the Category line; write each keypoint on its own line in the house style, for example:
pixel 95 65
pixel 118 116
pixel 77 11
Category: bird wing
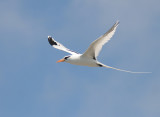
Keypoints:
pixel 59 46
pixel 96 46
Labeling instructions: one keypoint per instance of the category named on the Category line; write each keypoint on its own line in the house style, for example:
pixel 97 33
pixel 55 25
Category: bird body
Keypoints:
pixel 89 57
pixel 81 60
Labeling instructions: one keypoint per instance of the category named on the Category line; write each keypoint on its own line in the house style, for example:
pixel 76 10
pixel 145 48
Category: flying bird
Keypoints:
pixel 89 57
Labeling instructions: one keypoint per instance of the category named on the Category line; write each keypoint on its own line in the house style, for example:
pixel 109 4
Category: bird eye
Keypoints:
pixel 66 57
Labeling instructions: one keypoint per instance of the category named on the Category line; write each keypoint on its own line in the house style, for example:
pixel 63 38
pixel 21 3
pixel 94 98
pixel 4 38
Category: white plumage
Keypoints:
pixel 89 58
pixel 97 45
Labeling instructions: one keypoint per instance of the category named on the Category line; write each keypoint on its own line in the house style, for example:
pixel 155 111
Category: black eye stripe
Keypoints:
pixel 66 57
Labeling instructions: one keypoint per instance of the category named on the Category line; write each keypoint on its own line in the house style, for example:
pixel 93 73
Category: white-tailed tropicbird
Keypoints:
pixel 89 57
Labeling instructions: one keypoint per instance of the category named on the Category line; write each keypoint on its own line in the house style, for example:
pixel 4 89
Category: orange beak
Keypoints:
pixel 62 60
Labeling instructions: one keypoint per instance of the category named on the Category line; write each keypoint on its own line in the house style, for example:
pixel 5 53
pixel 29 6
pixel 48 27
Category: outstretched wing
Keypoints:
pixel 96 46
pixel 59 46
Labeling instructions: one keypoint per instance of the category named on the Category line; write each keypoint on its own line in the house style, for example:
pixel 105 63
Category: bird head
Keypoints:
pixel 63 59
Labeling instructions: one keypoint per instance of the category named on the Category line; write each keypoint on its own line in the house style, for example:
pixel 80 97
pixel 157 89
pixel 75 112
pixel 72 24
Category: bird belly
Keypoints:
pixel 84 62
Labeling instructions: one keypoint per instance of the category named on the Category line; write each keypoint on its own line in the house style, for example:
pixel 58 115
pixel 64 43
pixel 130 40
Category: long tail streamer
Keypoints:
pixel 125 70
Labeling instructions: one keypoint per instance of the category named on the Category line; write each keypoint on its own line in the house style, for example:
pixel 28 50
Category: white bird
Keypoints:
pixel 89 57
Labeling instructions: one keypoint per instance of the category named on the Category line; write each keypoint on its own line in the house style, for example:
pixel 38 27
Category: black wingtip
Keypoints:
pixel 49 37
pixel 51 41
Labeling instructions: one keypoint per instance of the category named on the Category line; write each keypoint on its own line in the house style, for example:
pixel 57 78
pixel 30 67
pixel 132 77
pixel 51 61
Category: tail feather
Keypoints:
pixel 125 70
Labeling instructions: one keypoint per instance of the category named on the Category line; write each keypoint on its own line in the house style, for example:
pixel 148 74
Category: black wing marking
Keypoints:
pixel 59 46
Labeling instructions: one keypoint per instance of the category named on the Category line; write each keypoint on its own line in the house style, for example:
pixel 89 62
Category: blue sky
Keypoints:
pixel 32 84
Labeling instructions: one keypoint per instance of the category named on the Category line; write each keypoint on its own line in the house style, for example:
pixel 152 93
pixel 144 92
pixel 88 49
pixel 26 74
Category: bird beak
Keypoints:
pixel 62 60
